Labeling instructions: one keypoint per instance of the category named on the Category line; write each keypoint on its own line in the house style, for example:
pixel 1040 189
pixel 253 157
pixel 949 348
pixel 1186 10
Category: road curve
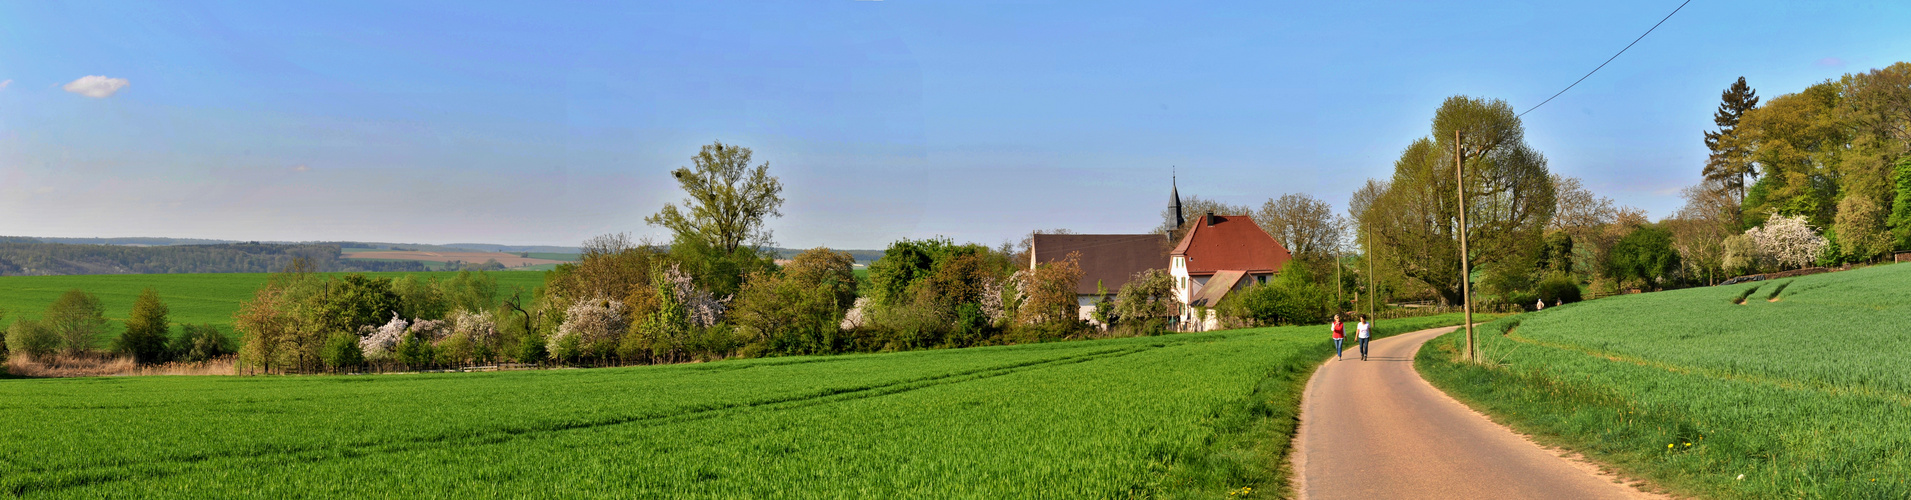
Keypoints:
pixel 1375 429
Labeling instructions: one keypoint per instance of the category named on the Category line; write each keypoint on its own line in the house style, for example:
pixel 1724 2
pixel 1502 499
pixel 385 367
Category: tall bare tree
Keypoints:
pixel 1304 224
pixel 1700 228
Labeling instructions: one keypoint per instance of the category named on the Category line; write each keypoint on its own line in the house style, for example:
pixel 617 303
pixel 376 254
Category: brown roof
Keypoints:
pixel 1217 288
pixel 1230 242
pixel 1109 259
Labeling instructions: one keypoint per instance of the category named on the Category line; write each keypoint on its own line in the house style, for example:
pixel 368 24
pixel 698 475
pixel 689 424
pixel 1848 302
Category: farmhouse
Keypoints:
pixel 1219 254
pixel 1108 261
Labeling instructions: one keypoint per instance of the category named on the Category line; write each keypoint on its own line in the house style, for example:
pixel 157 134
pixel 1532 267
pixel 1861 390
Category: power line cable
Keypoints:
pixel 1635 41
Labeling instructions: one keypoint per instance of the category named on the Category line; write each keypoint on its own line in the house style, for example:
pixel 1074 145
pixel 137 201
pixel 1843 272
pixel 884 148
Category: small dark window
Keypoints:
pixel 1262 279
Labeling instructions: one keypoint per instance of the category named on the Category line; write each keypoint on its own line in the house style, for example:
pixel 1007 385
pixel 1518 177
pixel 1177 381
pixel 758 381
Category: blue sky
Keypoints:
pixel 521 123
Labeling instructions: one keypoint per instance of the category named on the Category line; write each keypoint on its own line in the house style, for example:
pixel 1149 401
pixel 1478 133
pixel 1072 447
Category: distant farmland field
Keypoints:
pixel 193 298
pixel 508 259
pixel 1804 389
pixel 1187 415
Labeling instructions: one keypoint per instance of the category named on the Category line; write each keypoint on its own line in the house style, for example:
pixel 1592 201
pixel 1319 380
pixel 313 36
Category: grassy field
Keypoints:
pixel 192 298
pixel 1187 415
pixel 1804 389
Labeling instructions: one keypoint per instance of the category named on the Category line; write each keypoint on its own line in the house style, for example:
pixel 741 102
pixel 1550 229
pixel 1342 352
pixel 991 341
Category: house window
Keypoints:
pixel 1261 278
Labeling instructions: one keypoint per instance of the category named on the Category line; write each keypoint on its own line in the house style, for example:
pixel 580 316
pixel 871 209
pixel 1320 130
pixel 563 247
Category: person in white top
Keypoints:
pixel 1366 329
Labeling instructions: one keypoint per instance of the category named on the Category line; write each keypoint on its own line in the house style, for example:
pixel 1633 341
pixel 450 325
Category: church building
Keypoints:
pixel 1219 254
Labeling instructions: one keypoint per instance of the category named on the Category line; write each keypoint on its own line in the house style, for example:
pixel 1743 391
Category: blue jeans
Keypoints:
pixel 1363 347
pixel 1337 348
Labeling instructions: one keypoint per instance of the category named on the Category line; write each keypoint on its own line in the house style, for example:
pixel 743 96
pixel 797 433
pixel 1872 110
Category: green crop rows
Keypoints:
pixel 192 298
pixel 1172 416
pixel 1804 388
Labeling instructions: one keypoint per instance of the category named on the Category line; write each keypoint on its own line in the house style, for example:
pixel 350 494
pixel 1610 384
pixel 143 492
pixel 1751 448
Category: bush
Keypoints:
pixel 342 351
pixel 198 343
pixel 531 349
pixel 1558 289
pixel 1286 301
pixel 31 338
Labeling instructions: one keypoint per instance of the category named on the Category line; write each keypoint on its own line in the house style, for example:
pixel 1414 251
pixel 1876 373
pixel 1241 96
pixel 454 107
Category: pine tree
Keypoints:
pixel 1730 162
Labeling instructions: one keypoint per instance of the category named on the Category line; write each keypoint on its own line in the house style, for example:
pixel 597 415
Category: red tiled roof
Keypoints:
pixel 1110 259
pixel 1230 242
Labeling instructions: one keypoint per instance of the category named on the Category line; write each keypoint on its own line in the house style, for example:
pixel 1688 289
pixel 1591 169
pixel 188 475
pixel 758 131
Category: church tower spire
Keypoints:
pixel 1174 191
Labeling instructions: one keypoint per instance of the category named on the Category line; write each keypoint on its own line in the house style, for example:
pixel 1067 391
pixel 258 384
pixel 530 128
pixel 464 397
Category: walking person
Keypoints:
pixel 1365 330
pixel 1340 333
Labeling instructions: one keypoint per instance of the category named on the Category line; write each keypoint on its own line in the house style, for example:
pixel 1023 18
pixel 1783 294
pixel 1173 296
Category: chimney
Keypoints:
pixel 1210 219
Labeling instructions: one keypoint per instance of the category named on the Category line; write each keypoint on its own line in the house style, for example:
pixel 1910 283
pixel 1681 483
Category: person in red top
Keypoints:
pixel 1340 333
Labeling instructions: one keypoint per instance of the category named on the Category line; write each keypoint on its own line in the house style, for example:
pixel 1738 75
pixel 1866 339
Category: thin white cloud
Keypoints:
pixel 300 168
pixel 98 87
pixel 4 84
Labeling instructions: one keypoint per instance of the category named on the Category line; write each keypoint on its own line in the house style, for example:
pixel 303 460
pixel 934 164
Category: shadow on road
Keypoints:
pixel 1396 359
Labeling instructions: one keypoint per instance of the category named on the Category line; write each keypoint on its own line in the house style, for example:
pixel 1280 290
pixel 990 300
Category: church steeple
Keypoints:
pixel 1174 191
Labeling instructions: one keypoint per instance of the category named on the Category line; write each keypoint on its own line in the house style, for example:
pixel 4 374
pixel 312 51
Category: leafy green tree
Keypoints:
pixel 1556 253
pixel 905 262
pixel 1508 190
pixel 356 300
pixel 1645 255
pixel 723 224
pixel 1901 205
pixel 342 351
pixel 1796 140
pixel 78 319
pixel 418 298
pixel 469 291
pixel 1730 162
pixel 146 329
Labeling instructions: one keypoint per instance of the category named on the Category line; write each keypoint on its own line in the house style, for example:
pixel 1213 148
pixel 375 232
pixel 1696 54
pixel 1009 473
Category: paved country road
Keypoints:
pixel 1375 429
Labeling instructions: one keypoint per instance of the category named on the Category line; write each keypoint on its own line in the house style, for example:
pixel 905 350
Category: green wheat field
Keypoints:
pixel 1790 388
pixel 1197 415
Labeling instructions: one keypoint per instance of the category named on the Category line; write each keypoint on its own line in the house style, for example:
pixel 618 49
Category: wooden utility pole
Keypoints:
pixel 1466 271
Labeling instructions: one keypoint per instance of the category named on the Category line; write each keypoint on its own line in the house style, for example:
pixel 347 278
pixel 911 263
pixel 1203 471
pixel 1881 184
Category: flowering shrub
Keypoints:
pixel 702 308
pixel 430 330
pixel 1787 240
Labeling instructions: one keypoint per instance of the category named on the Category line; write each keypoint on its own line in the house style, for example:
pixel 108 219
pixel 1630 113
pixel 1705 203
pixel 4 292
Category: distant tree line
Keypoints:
pixel 74 326
pixel 26 257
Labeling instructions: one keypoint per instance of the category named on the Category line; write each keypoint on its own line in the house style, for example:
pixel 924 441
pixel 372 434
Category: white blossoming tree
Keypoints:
pixel 379 342
pixel 591 327
pixel 1788 240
